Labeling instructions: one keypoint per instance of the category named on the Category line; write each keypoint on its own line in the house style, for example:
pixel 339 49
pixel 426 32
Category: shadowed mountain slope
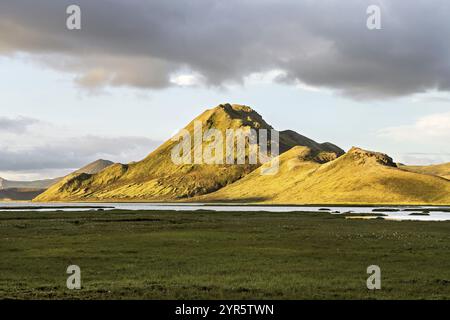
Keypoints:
pixel 19 194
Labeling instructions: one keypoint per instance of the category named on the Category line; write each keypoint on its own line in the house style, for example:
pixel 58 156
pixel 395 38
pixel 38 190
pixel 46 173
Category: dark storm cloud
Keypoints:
pixel 75 152
pixel 321 43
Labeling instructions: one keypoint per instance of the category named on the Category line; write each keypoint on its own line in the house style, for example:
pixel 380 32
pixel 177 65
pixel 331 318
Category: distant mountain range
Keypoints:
pixel 27 190
pixel 309 173
pixel 37 184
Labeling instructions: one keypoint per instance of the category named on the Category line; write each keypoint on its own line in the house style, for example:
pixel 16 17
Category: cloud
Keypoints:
pixel 425 158
pixel 74 152
pixel 33 148
pixel 434 128
pixel 321 44
pixel 187 79
pixel 423 142
pixel 17 125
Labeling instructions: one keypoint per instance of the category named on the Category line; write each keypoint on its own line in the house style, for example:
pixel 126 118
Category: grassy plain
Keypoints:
pixel 220 255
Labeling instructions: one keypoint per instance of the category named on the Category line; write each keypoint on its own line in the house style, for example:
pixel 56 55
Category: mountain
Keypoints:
pixel 157 177
pixel 19 194
pixel 440 170
pixel 28 190
pixel 37 184
pixel 95 167
pixel 358 177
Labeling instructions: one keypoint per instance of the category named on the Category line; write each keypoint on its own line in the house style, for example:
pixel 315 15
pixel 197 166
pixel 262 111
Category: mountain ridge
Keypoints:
pixel 357 177
pixel 440 170
pixel 95 167
pixel 37 184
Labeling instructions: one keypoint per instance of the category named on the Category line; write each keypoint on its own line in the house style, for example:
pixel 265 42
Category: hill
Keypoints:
pixel 95 167
pixel 440 170
pixel 19 194
pixel 157 177
pixel 358 177
pixel 36 184
pixel 28 190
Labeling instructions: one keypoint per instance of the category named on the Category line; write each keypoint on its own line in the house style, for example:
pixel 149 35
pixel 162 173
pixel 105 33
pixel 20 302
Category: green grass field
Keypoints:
pixel 210 255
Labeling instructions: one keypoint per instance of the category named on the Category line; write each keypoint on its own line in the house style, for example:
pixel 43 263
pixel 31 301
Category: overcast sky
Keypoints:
pixel 139 70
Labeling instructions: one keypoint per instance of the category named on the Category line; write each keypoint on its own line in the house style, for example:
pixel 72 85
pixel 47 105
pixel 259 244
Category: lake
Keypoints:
pixel 427 213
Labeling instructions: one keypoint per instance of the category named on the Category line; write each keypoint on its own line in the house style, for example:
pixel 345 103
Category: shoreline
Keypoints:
pixel 237 204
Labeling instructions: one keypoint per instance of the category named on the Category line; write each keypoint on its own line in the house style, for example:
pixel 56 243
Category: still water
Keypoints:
pixel 431 213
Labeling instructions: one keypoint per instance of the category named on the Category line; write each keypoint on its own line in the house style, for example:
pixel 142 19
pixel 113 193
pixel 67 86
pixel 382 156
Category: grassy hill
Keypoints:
pixel 157 178
pixel 358 177
pixel 19 194
pixel 440 170
pixel 28 190
pixel 91 168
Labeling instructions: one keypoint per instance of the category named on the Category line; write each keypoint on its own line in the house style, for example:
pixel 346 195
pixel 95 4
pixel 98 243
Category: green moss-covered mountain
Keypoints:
pixel 309 173
pixel 157 177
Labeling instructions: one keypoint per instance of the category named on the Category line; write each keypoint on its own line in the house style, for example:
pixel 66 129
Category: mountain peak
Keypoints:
pixel 362 155
pixel 235 108
pixel 102 161
pixel 233 116
pixel 95 166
